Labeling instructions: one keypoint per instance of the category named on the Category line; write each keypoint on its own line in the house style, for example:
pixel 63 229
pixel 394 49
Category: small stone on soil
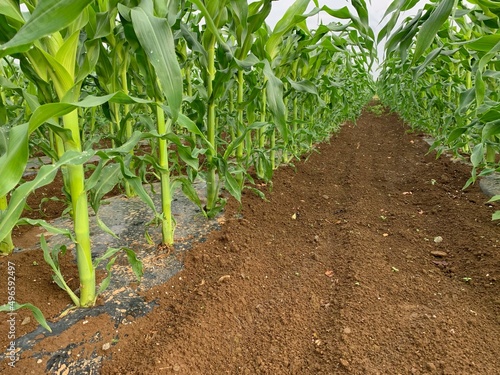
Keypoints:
pixel 344 362
pixel 439 254
pixel 431 366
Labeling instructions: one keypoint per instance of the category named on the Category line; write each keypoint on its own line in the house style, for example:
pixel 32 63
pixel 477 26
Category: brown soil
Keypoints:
pixel 366 258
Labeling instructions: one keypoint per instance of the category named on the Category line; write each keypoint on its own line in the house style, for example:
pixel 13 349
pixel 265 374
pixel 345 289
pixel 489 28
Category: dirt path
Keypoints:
pixel 367 258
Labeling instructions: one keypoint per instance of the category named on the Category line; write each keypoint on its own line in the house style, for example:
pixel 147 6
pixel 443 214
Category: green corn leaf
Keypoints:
pixel 430 57
pixel 135 263
pixel 105 282
pixel 6 31
pixel 48 17
pixel 404 33
pixel 156 38
pixel 186 123
pixel 37 313
pixel 388 27
pixel 232 185
pixel 342 13
pixel 66 55
pixel 400 6
pixel 490 129
pixel 466 99
pixel 14 159
pixel 103 23
pixel 47 111
pixel 136 183
pixel 183 151
pixel 455 134
pixel 63 81
pixel 258 13
pixel 190 192
pixel 477 155
pixel 10 9
pixel 104 227
pixel 274 88
pixel 104 180
pixel 431 26
pixel 57 276
pixel 491 114
pixel 235 142
pixel 48 227
pixel 360 7
pixel 494 198
pixel 304 86
pixel 211 24
pixel 480 88
pixel 289 20
pixel 484 43
pixel 111 251
pixel 45 176
pixel 480 84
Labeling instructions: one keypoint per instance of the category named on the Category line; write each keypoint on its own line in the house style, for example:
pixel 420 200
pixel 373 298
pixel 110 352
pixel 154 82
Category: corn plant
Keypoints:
pixel 441 74
pixel 57 57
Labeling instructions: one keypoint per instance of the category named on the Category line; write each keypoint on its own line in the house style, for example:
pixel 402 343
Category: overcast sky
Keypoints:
pixel 376 11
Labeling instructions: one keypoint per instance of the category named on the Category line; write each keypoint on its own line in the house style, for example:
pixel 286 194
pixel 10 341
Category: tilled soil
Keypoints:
pixel 365 258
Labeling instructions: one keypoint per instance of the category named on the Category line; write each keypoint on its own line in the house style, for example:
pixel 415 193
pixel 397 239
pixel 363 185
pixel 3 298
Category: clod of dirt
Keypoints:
pixel 439 254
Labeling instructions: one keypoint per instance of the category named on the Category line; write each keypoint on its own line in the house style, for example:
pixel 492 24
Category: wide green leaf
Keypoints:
pixel 274 89
pixel 15 157
pixel 431 26
pixel 11 10
pixel 484 43
pixel 45 176
pixel 156 38
pixel 286 23
pixel 48 17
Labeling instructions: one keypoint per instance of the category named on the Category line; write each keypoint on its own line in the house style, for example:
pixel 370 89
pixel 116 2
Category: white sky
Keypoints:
pixel 376 10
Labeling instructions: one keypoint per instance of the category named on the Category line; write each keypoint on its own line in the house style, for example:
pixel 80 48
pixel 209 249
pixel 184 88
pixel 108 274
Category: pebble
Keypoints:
pixel 106 346
pixel 431 366
pixel 347 330
pixel 438 239
pixel 344 362
pixel 439 254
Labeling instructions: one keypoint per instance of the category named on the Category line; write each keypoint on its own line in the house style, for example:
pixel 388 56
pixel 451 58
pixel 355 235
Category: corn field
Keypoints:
pixel 441 74
pixel 208 86
pixel 214 93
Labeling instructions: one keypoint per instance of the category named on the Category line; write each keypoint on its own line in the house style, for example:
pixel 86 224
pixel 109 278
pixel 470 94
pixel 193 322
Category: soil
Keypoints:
pixel 366 257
